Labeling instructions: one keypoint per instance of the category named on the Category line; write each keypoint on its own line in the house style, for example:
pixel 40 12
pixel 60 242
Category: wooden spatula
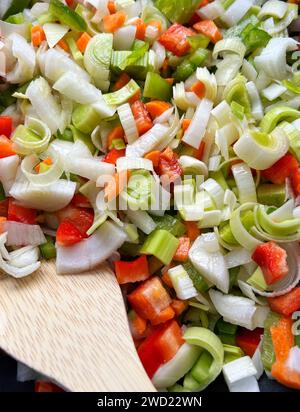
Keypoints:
pixel 73 329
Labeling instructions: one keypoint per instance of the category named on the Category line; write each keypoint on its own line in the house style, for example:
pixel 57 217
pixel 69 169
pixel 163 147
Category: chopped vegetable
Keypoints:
pixel 282 169
pixel 209 29
pixel 248 341
pixel 175 39
pixel 142 117
pixel 134 271
pixel 286 304
pixel 6 125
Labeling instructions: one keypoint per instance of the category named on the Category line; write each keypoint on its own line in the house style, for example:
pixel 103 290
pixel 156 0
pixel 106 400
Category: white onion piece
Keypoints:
pixel 8 170
pixel 124 38
pixel 21 234
pixel 26 61
pixel 211 11
pixel 248 292
pixel 128 122
pixel 90 252
pixel 164 117
pixel 257 362
pixel 130 163
pixel 160 52
pixel 245 183
pixel 142 220
pixel 237 257
pixel 236 12
pixel 54 32
pixel 24 256
pixel 147 142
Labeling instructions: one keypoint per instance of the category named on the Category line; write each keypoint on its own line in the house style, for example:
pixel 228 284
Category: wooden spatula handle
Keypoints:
pixel 72 329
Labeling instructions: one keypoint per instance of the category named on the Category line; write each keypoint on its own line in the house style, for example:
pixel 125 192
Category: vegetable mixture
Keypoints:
pixel 163 136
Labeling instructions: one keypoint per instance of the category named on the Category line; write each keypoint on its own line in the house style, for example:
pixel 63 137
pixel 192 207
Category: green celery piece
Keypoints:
pixel 197 279
pixel 170 223
pixel 85 138
pixel 254 38
pixel 16 19
pixel 227 328
pixel 268 354
pixel 277 114
pixel 184 70
pixel 257 280
pixel 2 193
pixel 227 339
pixel 232 353
pixel 67 16
pixel 48 250
pixel 230 357
pixel 121 96
pixel 198 57
pixel 85 118
pixel 135 55
pixel 291 86
pixel 227 3
pixel 198 41
pixel 67 135
pixel 219 178
pixel 201 370
pixel 235 31
pixel 174 61
pixel 237 109
pixel 233 274
pixel 190 383
pixel 178 388
pixel 161 244
pixel 271 194
pixel 15 7
pixel 177 11
pixel 247 218
pixel 157 88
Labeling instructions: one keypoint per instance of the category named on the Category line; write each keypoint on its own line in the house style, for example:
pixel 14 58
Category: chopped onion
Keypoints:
pixel 160 52
pixel 147 142
pixel 142 220
pixel 236 12
pixel 245 385
pixel 249 293
pixel 210 82
pixel 230 45
pixel 24 257
pixel 257 109
pixel 238 369
pixel 211 11
pixel 21 234
pixel 130 163
pixel 190 165
pixel 215 191
pixel 237 257
pixel 124 38
pixel 243 237
pixel 95 249
pixel 245 183
pixel 8 171
pixel 257 362
pixel 195 132
pixel 128 122
pixel 25 55
pixel 165 116
pixel 206 256
pixel 54 32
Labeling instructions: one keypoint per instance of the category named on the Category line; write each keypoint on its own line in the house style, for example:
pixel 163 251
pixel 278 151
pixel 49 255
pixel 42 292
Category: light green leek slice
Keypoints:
pixel 285 228
pixel 67 16
pixel 271 195
pixel 277 114
pixel 121 96
pixel 257 280
pixel 34 137
pixel 236 91
pixel 85 118
pixel 293 135
pixel 97 57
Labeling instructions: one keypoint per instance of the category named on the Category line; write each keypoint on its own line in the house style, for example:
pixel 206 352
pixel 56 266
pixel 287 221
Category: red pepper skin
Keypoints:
pixel 6 125
pixel 280 170
pixel 81 218
pixel 286 304
pixel 80 200
pixel 3 208
pixel 113 155
pixel 67 234
pixel 175 39
pixel 272 260
pixel 142 117
pixel 160 346
pixel 168 165
pixel 182 252
pixel 295 181
pixel 18 213
pixel 134 271
pixel 43 386
pixel 248 340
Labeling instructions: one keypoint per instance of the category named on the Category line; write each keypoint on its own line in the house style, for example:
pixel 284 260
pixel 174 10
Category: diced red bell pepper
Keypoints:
pixel 43 386
pixel 295 181
pixel 150 299
pixel 3 208
pixel 18 213
pixel 175 39
pixel 286 304
pixel 142 117
pixel 67 234
pixel 137 324
pixel 272 260
pixel 6 147
pixel 6 125
pixel 182 252
pixel 135 271
pixel 280 170
pixel 113 155
pixel 81 218
pixel 79 200
pixel 160 346
pixel 169 166
pixel 248 340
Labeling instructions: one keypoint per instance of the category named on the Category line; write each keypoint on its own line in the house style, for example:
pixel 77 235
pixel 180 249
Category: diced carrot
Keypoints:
pixel 114 187
pixel 192 230
pixel 199 89
pixel 157 107
pixel 198 153
pixel 167 280
pixel 182 252
pixel 137 324
pixel 116 133
pixel 163 316
pixel 154 157
pixel 63 45
pixel 179 306
pixel 2 220
pixel 209 29
pixel 140 29
pixel 37 35
pixel 6 147
pixel 112 7
pixel 121 82
pixel 83 41
pixel 137 96
pixel 114 21
pixel 170 80
pixel 186 124
pixel 142 117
